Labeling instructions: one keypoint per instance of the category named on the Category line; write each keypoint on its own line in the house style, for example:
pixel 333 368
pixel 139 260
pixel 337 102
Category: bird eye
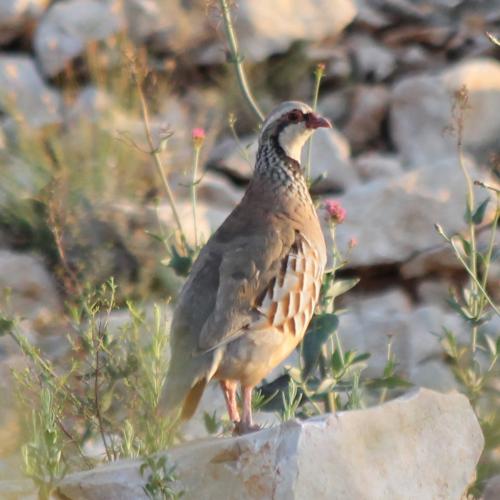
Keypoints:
pixel 294 116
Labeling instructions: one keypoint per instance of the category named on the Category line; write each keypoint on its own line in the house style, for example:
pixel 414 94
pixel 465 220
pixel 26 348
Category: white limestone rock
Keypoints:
pixel 369 109
pixel 331 159
pixel 264 29
pixel 93 105
pixel 372 165
pixel 422 445
pixel 67 27
pixel 15 15
pixel 372 60
pixel 20 489
pixel 421 112
pixel 371 322
pixel 33 294
pixel 393 218
pixel 24 96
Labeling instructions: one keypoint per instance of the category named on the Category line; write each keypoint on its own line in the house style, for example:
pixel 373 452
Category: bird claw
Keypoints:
pixel 241 428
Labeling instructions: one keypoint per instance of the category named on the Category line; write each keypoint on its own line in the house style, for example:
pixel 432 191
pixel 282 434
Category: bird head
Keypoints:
pixel 289 125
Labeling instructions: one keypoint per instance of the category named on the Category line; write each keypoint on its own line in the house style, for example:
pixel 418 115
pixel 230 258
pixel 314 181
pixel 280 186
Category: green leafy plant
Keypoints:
pixel 160 478
pixel 108 393
pixel 474 362
pixel 291 400
pixel 43 454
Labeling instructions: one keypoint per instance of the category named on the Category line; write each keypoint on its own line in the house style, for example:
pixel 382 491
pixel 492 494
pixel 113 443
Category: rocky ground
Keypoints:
pixel 290 462
pixel 392 70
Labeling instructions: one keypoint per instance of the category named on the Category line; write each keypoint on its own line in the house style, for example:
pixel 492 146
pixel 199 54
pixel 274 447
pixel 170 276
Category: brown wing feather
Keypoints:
pixel 288 302
pixel 246 270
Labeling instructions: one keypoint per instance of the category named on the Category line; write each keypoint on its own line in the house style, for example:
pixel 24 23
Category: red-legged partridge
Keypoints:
pixel 253 289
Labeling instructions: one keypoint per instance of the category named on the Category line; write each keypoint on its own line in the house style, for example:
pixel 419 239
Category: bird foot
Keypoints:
pixel 241 428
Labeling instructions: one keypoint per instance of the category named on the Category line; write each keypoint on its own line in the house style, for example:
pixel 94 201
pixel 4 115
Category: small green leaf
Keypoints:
pixel 340 287
pixel 5 325
pixel 349 357
pixel 325 386
pixel 319 331
pixel 478 215
pixel 106 400
pixel 392 382
pixel 493 38
pixel 492 345
pixel 361 357
pixel 459 309
pixel 337 362
pixel 389 368
pixel 211 422
pixel 466 245
pixel 180 264
pixel 467 215
pixel 156 236
pixel 271 389
pixel 449 343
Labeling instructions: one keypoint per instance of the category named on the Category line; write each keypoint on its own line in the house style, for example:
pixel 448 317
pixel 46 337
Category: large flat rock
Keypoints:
pixel 263 31
pixel 423 445
pixel 393 217
pixel 421 113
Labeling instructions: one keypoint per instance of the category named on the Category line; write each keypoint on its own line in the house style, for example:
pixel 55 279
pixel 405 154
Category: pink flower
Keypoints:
pixel 198 133
pixel 198 136
pixel 335 211
pixel 353 242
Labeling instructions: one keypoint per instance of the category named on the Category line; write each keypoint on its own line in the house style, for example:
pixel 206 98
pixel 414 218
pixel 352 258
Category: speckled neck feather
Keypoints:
pixel 281 173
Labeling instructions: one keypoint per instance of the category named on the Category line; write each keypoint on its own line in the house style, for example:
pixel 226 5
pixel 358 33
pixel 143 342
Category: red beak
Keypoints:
pixel 316 121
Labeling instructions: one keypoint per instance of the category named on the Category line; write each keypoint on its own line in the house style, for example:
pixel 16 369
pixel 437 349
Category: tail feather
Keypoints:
pixel 187 375
pixel 192 399
pixel 180 395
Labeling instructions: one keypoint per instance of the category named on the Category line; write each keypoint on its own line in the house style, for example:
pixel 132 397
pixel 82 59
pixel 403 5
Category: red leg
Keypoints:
pixel 246 424
pixel 229 390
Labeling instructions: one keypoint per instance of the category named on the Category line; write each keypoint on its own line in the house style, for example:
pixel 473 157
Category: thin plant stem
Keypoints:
pixel 73 441
pixel 97 404
pixel 487 186
pixel 473 302
pixel 474 278
pixel 493 38
pixel 35 358
pixel 383 393
pixel 155 153
pixel 493 363
pixel 491 244
pixel 339 345
pixel 194 183
pixel 71 279
pixel 237 60
pixel 307 394
pixel 318 75
pixel 329 398
pixel 38 361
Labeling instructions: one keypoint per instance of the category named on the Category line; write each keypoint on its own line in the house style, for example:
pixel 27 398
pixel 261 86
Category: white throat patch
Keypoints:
pixel 292 139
